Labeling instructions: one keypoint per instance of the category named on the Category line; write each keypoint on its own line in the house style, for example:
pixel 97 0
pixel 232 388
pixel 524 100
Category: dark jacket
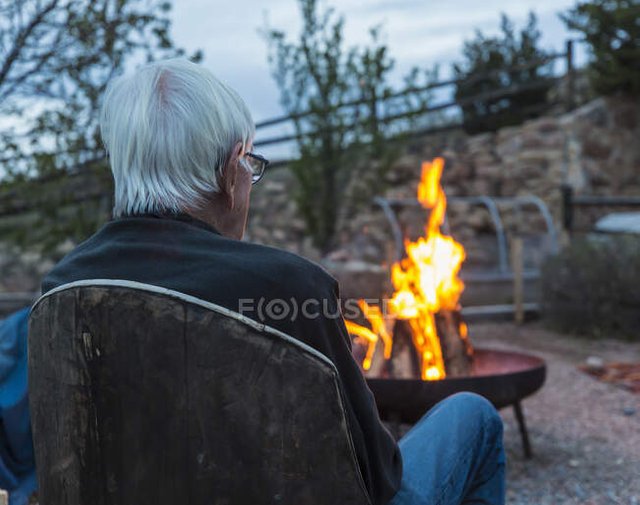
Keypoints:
pixel 187 255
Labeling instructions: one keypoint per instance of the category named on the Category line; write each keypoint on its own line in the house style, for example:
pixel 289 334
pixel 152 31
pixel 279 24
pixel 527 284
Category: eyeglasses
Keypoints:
pixel 257 164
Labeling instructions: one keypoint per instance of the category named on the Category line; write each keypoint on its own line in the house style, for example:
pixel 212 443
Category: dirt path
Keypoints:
pixel 585 434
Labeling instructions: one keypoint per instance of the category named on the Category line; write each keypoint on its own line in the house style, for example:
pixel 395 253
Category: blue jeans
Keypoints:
pixel 454 455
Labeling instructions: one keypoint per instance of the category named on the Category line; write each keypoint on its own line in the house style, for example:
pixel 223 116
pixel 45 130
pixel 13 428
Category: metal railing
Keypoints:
pixel 502 271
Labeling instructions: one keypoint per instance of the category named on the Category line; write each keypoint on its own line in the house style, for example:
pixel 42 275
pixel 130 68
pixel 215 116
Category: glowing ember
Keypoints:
pixel 425 282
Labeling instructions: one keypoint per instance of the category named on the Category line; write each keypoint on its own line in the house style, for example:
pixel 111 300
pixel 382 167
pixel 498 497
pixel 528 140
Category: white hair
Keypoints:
pixel 169 129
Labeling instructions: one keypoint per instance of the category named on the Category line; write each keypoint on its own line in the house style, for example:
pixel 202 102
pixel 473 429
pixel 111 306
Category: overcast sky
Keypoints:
pixel 418 32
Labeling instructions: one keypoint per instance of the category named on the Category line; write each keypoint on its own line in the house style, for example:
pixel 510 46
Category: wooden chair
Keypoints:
pixel 142 395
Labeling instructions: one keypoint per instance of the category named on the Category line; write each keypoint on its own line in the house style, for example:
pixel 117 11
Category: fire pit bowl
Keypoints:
pixel 503 377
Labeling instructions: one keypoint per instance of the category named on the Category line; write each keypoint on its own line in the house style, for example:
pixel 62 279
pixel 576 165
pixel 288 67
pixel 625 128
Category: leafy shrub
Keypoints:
pixel 592 288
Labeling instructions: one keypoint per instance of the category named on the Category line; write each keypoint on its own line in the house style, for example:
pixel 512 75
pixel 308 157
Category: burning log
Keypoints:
pixel 456 349
pixel 404 362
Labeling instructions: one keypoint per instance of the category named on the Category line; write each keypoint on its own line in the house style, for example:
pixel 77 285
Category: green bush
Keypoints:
pixel 592 288
pixel 611 28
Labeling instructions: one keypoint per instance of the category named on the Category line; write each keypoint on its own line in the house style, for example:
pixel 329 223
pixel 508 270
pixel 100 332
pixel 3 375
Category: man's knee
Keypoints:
pixel 477 409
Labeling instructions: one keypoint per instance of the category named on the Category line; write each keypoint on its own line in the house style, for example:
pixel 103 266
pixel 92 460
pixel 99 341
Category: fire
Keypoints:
pixel 424 282
pixel 379 330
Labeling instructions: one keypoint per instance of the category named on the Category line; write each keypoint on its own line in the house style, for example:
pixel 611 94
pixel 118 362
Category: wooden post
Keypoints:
pixel 571 87
pixel 567 214
pixel 518 281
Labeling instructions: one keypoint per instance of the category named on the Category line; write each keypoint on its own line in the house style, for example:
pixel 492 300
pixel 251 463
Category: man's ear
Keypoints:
pixel 229 175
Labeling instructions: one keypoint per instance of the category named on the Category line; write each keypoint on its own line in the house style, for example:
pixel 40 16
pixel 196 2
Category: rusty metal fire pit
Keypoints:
pixel 504 378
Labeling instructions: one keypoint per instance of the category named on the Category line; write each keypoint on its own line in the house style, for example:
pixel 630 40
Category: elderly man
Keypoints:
pixel 180 148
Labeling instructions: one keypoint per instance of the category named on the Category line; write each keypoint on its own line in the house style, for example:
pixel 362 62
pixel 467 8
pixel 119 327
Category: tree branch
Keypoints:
pixel 22 38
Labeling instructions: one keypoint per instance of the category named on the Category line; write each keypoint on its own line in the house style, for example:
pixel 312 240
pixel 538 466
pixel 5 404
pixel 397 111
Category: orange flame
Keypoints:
pixel 370 337
pixel 425 282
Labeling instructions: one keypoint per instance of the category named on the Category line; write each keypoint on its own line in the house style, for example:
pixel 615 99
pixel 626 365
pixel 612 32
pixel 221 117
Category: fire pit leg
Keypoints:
pixel 524 434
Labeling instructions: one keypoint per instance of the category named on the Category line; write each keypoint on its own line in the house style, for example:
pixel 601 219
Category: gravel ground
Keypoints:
pixel 585 434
